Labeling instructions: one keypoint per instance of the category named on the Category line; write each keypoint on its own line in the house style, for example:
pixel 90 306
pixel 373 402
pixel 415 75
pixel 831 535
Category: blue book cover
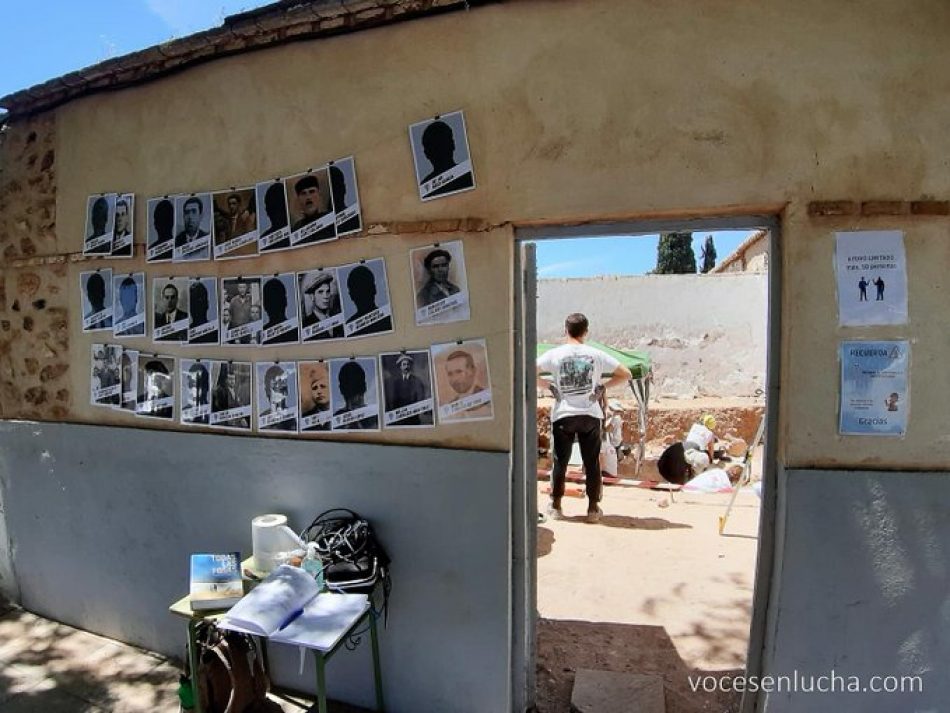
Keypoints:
pixel 215 580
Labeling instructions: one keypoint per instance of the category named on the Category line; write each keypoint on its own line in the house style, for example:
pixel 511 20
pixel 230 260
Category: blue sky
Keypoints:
pixel 43 40
pixel 632 255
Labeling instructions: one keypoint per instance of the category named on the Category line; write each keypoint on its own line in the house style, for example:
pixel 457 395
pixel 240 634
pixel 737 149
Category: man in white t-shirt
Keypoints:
pixel 574 373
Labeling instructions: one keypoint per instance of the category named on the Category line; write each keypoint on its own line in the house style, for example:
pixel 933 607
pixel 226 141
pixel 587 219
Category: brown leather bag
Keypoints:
pixel 231 676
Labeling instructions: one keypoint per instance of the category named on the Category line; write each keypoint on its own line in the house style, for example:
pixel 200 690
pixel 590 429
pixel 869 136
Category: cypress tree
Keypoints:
pixel 674 254
pixel 709 255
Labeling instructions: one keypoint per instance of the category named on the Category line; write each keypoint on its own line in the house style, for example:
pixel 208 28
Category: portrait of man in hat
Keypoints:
pixel 403 386
pixel 320 301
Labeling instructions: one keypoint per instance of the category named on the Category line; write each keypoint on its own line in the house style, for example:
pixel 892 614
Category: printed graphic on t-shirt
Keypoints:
pixel 576 375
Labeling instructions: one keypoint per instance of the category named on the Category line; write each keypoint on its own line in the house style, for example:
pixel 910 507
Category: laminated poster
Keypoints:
pixel 875 399
pixel 871 271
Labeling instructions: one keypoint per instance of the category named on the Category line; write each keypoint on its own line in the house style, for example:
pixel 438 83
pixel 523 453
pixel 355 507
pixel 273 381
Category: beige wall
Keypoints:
pixel 584 111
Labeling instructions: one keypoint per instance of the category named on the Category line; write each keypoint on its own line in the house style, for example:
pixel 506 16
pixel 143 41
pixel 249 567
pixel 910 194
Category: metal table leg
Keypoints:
pixel 377 675
pixel 193 661
pixel 321 682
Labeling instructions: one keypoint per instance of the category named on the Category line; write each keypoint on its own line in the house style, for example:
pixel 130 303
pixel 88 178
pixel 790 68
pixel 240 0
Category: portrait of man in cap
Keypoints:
pixel 320 302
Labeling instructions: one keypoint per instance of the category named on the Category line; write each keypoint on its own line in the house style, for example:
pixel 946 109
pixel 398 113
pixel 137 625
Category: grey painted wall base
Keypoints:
pixel 102 521
pixel 865 589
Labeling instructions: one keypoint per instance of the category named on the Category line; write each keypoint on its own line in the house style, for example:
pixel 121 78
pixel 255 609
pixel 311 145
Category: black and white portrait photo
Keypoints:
pixel 128 304
pixel 234 224
pixel 128 370
pixel 160 229
pixel 100 221
pixel 273 224
pixel 314 389
pixel 122 230
pixel 354 394
pixel 365 293
pixel 440 284
pixel 312 219
pixel 321 314
pixel 442 159
pixel 346 196
pixel 203 310
pixel 195 392
pixel 156 387
pixel 279 299
pixel 231 395
pixel 407 390
pixel 463 384
pixel 241 310
pixel 96 297
pixel 276 396
pixel 170 310
pixel 105 382
pixel 193 220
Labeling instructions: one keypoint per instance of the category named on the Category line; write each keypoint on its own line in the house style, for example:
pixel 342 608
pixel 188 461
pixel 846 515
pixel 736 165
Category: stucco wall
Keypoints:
pixel 578 111
pixel 705 334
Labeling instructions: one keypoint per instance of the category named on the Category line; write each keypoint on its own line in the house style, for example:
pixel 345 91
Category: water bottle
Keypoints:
pixel 313 565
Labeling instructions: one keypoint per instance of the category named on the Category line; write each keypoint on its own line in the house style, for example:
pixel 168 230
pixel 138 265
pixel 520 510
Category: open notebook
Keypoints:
pixel 289 607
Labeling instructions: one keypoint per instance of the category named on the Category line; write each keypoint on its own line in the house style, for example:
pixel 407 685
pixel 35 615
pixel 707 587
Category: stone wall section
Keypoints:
pixel 34 333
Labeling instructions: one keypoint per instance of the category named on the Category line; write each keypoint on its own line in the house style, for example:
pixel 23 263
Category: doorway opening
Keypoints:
pixel 662 589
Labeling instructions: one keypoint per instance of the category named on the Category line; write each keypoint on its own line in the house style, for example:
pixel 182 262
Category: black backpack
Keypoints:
pixel 353 559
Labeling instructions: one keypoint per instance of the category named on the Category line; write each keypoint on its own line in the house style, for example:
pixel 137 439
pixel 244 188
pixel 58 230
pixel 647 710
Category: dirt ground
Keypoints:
pixel 648 590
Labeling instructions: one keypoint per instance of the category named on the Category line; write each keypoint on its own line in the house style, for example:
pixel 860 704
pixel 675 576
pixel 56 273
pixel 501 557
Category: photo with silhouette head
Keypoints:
pixel 160 229
pixel 279 302
pixel 128 300
pixel 354 394
pixel 203 327
pixel 310 207
pixel 346 196
pixel 441 155
pixel 100 221
pixel 95 289
pixel 234 223
pixel 365 294
pixel 273 220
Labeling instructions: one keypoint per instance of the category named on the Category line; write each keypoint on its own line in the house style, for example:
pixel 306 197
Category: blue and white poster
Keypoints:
pixel 875 399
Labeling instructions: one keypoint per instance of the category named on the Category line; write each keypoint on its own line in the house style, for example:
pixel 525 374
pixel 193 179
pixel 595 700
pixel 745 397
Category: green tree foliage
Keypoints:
pixel 674 254
pixel 709 255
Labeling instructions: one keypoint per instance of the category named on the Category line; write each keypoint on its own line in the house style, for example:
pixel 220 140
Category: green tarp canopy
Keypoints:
pixel 637 362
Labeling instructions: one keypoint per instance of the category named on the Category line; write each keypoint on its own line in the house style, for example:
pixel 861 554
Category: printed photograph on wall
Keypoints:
pixel 322 313
pixel 871 272
pixel 407 390
pixel 195 392
pixel 276 396
pixel 234 225
pixel 203 310
pixel 346 196
pixel 354 394
pixel 193 218
pixel 312 219
pixel 463 384
pixel 231 395
pixel 95 289
pixel 170 310
pixel 129 369
pixel 365 295
pixel 100 222
pixel 128 300
pixel 440 284
pixel 272 221
pixel 105 383
pixel 314 390
pixel 122 231
pixel 156 387
pixel 160 229
pixel 441 155
pixel 241 310
pixel 279 297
